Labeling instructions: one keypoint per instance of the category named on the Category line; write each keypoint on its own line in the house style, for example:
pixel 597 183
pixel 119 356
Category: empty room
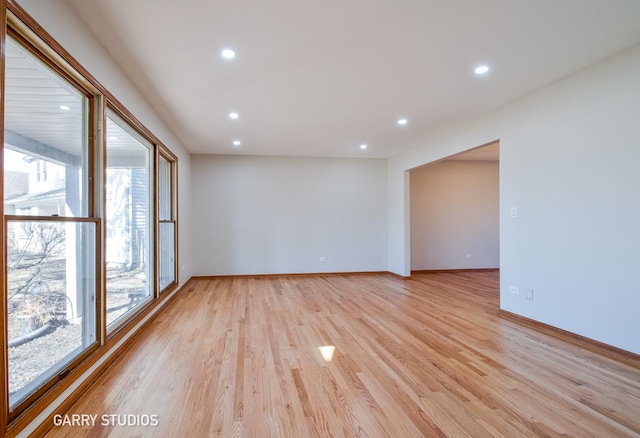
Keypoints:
pixel 320 219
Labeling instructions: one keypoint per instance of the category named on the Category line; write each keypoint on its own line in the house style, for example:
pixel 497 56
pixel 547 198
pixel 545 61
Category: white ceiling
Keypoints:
pixel 319 78
pixel 33 119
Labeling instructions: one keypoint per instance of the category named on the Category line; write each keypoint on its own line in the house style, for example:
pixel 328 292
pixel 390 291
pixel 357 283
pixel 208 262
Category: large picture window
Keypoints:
pixel 128 219
pixel 89 235
pixel 50 237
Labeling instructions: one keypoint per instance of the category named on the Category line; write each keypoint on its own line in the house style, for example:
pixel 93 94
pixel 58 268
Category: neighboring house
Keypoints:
pixel 15 184
pixel 39 192
pixel 126 217
pixel 42 191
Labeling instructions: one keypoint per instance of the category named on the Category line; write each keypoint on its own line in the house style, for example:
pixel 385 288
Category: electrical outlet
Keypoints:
pixel 513 212
pixel 528 294
pixel 467 256
pixel 514 290
pixel 323 259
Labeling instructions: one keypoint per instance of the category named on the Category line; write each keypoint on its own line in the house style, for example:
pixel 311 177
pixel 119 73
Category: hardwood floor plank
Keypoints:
pixel 427 356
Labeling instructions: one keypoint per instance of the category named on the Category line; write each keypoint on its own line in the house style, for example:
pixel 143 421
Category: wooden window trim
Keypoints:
pixel 33 44
pixel 173 161
pixel 13 16
pixel 30 399
pixel 65 71
pixel 138 134
pixel 4 380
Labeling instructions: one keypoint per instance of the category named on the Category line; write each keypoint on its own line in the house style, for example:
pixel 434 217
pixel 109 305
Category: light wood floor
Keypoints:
pixel 422 357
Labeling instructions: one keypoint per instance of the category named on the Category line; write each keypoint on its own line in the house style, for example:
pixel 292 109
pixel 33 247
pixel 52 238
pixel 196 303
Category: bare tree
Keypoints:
pixel 32 247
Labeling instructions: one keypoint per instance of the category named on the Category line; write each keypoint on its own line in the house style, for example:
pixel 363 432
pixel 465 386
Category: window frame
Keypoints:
pixel 56 377
pixel 133 128
pixel 4 379
pixel 90 364
pixel 37 47
pixel 167 155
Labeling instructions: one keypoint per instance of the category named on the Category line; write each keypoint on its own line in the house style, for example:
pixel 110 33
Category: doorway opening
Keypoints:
pixel 454 212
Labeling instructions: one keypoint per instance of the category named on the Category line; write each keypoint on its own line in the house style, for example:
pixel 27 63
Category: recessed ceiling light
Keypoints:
pixel 402 122
pixel 64 107
pixel 233 115
pixel 113 138
pixel 236 143
pixel 482 69
pixel 228 54
pixel 363 146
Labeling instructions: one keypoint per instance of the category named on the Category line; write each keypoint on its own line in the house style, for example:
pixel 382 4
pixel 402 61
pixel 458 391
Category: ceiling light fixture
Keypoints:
pixel 228 54
pixel 236 143
pixel 64 107
pixel 402 122
pixel 233 115
pixel 480 70
pixel 363 146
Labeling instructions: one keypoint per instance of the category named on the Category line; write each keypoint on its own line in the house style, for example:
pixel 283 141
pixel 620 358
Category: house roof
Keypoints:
pixel 36 199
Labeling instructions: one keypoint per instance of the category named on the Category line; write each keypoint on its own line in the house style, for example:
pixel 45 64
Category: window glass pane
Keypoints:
pixel 164 189
pixel 166 237
pixel 46 149
pixel 127 219
pixel 167 254
pixel 51 299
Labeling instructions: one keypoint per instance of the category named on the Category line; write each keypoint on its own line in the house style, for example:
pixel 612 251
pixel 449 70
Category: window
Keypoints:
pixel 41 171
pixel 81 220
pixel 128 224
pixel 167 221
pixel 46 147
pixel 51 240
pixel 51 294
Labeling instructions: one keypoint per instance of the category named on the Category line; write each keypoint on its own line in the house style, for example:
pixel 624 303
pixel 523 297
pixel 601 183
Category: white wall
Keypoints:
pixel 454 215
pixel 61 21
pixel 268 215
pixel 570 162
